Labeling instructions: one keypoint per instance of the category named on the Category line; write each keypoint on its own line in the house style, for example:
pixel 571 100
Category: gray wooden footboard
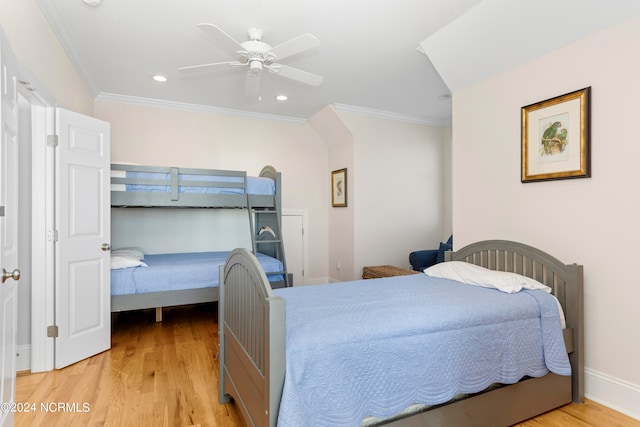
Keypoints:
pixel 252 340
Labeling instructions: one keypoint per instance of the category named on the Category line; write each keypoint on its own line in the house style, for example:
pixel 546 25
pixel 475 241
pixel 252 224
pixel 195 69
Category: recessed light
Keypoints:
pixel 159 78
pixel 281 97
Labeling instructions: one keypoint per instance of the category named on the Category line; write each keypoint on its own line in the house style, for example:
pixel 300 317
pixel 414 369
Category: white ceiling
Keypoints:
pixel 369 53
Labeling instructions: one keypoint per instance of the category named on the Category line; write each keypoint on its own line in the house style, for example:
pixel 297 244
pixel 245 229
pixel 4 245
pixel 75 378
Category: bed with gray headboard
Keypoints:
pixel 255 339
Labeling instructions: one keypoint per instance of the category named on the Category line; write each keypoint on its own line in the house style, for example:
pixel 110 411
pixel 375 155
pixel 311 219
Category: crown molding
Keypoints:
pixel 149 102
pixel 388 115
pixel 67 44
pixel 369 112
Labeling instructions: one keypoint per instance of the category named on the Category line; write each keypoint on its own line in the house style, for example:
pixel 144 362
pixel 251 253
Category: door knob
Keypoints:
pixel 105 247
pixel 15 275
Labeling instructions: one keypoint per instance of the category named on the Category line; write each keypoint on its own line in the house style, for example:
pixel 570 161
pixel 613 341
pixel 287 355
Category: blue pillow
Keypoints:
pixel 441 250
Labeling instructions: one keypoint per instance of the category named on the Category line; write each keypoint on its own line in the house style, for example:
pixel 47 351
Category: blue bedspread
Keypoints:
pixel 170 272
pixel 254 185
pixel 373 347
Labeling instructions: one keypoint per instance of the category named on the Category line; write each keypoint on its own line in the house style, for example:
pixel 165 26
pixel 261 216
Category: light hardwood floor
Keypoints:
pixel 165 374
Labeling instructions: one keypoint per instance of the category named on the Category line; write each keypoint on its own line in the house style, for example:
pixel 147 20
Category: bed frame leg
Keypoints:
pixel 158 314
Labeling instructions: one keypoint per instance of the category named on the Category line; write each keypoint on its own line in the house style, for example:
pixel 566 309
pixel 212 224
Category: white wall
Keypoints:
pixel 342 244
pixel 169 137
pixel 592 221
pixel 160 231
pixel 339 140
pixel 398 184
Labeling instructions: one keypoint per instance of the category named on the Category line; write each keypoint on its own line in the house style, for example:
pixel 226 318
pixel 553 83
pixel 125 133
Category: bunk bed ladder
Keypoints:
pixel 266 235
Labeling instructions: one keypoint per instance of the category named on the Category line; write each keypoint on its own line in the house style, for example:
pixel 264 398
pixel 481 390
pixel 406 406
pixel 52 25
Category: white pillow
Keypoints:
pixel 121 261
pixel 472 274
pixel 131 252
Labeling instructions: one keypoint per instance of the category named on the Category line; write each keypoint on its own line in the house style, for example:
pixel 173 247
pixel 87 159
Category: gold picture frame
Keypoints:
pixel 556 138
pixel 339 188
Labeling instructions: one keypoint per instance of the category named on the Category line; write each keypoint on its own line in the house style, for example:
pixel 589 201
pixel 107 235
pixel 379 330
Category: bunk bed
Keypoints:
pixel 332 363
pixel 161 187
pixel 162 280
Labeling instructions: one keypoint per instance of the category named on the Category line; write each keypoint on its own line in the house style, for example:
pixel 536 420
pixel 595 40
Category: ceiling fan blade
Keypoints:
pixel 204 67
pixel 228 42
pixel 252 87
pixel 296 74
pixel 293 46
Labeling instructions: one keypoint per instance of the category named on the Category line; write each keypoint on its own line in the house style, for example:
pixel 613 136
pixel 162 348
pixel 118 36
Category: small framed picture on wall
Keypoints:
pixel 339 188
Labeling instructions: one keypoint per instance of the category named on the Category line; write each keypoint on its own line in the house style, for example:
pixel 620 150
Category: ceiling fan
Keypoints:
pixel 256 56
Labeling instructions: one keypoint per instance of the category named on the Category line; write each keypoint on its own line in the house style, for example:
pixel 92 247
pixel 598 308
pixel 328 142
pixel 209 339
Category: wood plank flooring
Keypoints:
pixel 156 374
pixel 166 374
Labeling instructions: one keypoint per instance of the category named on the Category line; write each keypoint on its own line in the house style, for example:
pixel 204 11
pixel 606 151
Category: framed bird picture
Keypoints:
pixel 339 188
pixel 556 138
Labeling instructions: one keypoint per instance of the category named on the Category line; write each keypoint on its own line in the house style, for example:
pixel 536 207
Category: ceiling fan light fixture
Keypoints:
pixel 255 67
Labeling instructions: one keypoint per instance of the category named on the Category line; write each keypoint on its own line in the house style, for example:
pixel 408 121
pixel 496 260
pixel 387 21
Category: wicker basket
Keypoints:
pixel 385 271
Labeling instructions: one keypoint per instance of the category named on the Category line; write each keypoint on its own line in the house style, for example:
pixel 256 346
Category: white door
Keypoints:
pixel 8 228
pixel 83 207
pixel 293 236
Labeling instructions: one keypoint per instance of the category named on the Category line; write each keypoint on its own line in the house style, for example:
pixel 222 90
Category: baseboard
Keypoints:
pixel 612 392
pixel 23 358
pixel 317 281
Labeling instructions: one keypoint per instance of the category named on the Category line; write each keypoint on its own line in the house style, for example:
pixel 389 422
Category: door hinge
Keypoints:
pixel 1 210
pixel 52 140
pixel 52 235
pixel 52 331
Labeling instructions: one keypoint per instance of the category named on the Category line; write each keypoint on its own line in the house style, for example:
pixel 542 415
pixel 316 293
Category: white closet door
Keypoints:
pixel 293 236
pixel 83 297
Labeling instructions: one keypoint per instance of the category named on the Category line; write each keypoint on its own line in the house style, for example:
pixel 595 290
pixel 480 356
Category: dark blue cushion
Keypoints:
pixel 420 260
pixel 442 249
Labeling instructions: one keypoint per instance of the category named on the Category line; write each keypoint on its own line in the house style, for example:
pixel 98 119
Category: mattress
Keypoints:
pixel 254 185
pixel 374 347
pixel 169 272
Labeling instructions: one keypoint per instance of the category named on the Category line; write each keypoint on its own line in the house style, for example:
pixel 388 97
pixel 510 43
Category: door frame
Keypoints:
pixel 42 219
pixel 43 243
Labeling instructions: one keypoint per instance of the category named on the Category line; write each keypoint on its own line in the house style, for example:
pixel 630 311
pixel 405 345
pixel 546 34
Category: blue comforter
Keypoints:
pixel 170 272
pixel 373 347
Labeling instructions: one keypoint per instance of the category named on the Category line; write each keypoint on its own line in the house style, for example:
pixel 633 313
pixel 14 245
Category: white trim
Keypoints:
pixel 321 281
pixel 42 284
pixel 612 392
pixel 388 115
pixel 369 112
pixel 23 358
pixel 32 90
pixel 149 102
